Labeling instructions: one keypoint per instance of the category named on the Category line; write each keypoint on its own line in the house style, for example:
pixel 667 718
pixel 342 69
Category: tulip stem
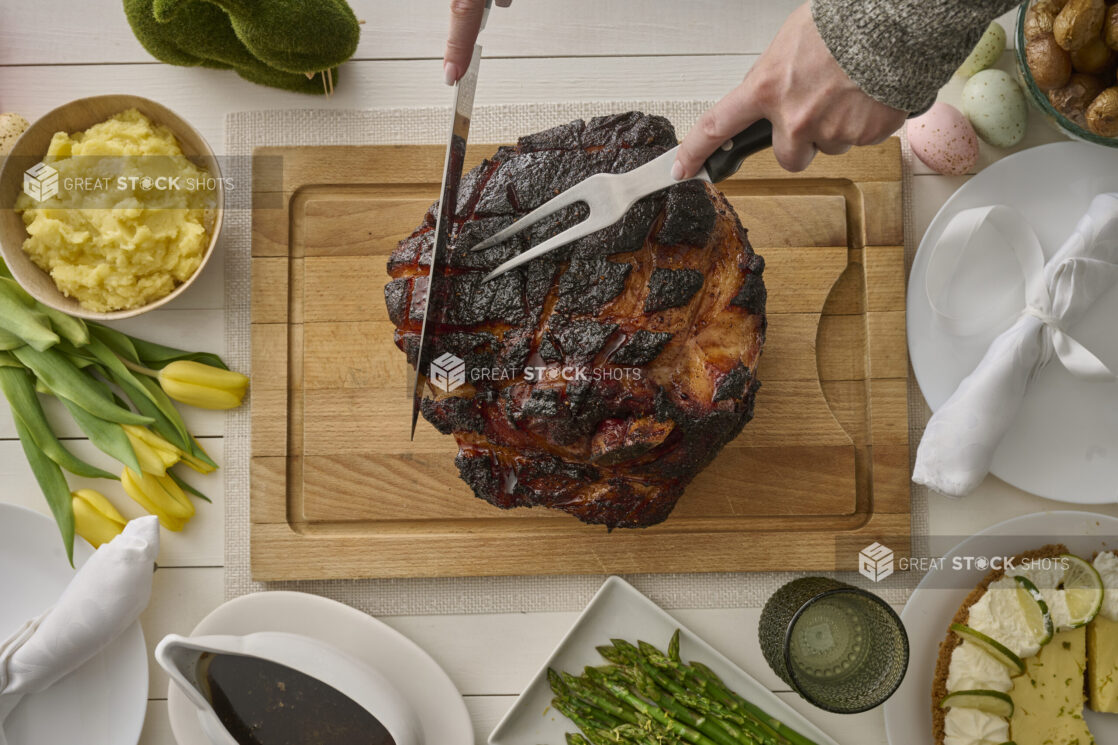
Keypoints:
pixel 139 368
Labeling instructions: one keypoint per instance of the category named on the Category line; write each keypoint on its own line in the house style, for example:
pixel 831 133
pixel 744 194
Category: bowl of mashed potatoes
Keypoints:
pixel 111 206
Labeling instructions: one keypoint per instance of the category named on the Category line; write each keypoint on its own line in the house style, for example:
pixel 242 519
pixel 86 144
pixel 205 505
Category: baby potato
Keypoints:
pixel 1079 22
pixel 1041 16
pixel 1110 30
pixel 1073 99
pixel 1092 58
pixel 1102 114
pixel 1039 21
pixel 1049 62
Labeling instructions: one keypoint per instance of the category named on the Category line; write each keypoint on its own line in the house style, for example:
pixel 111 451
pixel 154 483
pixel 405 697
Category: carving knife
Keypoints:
pixel 448 199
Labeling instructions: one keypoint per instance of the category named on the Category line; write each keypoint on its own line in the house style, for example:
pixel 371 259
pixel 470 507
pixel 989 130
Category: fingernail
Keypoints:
pixel 450 73
pixel 677 170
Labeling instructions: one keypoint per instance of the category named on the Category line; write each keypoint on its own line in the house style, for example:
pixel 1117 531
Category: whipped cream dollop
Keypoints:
pixel 972 668
pixel 999 615
pixel 974 727
pixel 1106 563
pixel 1048 576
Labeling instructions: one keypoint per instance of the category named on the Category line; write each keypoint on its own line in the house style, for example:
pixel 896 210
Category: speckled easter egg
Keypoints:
pixel 11 127
pixel 988 50
pixel 995 105
pixel 944 139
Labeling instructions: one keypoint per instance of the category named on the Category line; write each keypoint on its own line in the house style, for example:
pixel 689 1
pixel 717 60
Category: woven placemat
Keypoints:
pixel 247 130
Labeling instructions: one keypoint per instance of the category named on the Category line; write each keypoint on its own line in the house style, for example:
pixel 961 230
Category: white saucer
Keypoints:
pixel 1064 442
pixel 419 679
pixel 104 702
pixel 934 603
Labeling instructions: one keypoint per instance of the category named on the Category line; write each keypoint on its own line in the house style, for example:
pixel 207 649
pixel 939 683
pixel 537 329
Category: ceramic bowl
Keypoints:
pixel 78 116
pixel 1040 98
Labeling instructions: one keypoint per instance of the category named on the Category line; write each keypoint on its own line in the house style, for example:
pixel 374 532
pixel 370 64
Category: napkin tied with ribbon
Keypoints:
pixel 962 437
pixel 104 598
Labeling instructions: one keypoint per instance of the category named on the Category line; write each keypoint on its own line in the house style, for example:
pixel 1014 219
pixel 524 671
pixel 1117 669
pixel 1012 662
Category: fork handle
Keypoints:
pixel 728 159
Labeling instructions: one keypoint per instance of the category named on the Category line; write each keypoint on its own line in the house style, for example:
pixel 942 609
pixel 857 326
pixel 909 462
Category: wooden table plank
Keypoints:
pixel 190 329
pixel 97 31
pixel 180 599
pixel 203 97
pixel 200 544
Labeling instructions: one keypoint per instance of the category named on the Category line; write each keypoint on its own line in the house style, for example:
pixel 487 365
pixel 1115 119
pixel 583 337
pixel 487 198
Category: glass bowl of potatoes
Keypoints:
pixel 1067 56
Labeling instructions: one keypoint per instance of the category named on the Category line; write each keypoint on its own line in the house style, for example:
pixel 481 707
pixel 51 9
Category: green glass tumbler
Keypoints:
pixel 843 649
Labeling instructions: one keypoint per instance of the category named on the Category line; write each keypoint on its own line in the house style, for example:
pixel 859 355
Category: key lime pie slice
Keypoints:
pixel 1102 641
pixel 1027 650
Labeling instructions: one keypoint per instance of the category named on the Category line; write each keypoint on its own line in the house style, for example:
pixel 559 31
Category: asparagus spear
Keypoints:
pixel 640 656
pixel 659 715
pixel 778 726
pixel 598 716
pixel 708 686
pixel 723 733
pixel 595 697
pixel 591 728
pixel 673 647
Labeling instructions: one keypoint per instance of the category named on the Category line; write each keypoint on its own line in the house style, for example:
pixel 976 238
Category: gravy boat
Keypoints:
pixel 179 656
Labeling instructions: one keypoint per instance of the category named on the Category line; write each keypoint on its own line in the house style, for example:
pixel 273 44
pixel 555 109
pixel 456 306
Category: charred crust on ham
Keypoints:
pixel 641 348
pixel 588 284
pixel 732 385
pixel 671 288
pixel 689 216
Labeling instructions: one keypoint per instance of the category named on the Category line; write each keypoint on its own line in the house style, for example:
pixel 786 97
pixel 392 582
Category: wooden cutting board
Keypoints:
pixel 338 491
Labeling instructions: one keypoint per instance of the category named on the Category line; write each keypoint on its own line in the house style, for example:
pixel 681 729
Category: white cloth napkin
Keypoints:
pixel 960 440
pixel 104 598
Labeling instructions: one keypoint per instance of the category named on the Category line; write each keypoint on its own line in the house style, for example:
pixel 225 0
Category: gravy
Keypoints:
pixel 264 703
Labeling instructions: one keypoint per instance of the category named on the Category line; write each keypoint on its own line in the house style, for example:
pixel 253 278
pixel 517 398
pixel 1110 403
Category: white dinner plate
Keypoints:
pixel 418 678
pixel 619 611
pixel 928 613
pixel 1063 444
pixel 104 701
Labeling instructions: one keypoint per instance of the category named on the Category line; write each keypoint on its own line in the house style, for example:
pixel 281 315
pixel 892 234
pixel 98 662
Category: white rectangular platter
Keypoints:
pixel 618 610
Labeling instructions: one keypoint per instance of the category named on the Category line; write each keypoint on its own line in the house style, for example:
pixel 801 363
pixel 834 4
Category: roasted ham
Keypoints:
pixel 601 378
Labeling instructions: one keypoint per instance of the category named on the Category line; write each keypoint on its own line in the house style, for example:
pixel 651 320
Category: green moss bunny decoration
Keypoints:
pixel 296 45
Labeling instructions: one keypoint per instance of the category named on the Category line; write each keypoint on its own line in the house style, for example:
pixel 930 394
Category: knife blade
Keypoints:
pixel 448 200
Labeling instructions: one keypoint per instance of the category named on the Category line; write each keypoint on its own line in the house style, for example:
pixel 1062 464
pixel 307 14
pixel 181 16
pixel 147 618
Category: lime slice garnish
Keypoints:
pixel 994 648
pixel 1083 589
pixel 992 702
pixel 1036 610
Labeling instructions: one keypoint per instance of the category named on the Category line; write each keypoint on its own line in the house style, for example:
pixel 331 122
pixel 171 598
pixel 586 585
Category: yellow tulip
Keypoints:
pixel 95 518
pixel 204 386
pixel 160 496
pixel 196 463
pixel 153 452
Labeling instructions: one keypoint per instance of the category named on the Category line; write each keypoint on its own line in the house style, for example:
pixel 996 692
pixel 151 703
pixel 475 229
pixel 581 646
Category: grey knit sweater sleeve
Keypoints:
pixel 901 52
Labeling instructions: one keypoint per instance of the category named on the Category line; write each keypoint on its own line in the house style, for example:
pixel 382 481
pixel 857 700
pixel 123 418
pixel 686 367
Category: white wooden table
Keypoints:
pixel 53 51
